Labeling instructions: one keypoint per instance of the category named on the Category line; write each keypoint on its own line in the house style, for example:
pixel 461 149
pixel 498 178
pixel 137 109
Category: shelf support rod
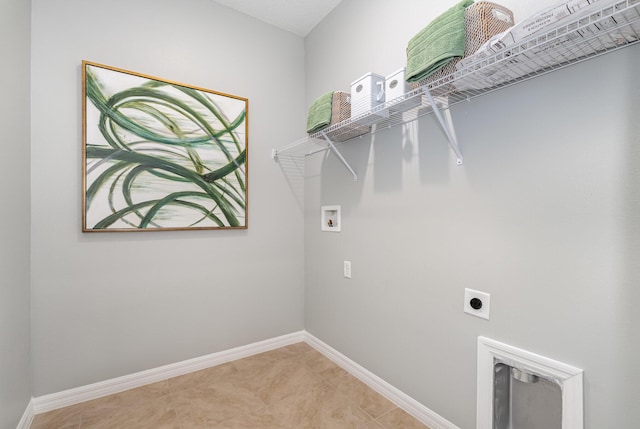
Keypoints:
pixel 339 155
pixel 447 125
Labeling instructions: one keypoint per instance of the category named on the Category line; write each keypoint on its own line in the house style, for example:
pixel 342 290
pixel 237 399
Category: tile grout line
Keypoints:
pixel 384 414
pixel 349 397
pixel 404 402
pixel 175 406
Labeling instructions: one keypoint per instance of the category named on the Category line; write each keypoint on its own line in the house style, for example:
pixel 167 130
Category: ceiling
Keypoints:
pixel 296 16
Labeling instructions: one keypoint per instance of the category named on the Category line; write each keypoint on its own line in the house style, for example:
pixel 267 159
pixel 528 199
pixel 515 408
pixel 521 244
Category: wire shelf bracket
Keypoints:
pixel 335 150
pixel 446 122
pixel 322 136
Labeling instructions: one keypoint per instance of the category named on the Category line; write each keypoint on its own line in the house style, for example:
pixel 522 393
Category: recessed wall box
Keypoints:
pixel 330 219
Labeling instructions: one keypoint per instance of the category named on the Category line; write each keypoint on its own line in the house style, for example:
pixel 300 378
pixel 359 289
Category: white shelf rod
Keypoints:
pixel 339 155
pixel 447 124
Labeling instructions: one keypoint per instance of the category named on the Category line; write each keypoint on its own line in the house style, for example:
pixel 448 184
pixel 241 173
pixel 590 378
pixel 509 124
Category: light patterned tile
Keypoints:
pixel 366 398
pixel 373 424
pixel 130 398
pixel 286 378
pixel 321 407
pixel 324 366
pixel 274 379
pixel 146 414
pixel 399 419
pixel 205 408
pixel 64 418
pixel 294 387
pixel 262 419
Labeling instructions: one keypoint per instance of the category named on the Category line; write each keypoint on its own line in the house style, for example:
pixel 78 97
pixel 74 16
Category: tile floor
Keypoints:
pixel 294 387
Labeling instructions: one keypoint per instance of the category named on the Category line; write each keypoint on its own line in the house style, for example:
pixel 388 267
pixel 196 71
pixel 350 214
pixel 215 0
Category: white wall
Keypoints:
pixel 542 215
pixel 15 349
pixel 106 305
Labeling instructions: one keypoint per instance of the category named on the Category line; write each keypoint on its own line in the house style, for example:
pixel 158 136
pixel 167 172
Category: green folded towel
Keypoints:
pixel 319 115
pixel 437 44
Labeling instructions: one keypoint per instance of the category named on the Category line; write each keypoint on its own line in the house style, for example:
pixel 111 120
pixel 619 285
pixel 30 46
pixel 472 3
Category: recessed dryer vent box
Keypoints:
pixel 367 93
pixel 395 88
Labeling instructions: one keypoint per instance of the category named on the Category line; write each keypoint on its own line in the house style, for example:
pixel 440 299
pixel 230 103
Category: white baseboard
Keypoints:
pixel 54 401
pixel 77 395
pixel 27 417
pixel 401 399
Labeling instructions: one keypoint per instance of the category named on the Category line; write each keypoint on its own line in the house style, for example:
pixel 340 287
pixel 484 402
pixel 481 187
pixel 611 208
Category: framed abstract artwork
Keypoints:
pixel 159 155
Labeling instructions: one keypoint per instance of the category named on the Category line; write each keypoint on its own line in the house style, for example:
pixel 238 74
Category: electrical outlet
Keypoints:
pixel 347 269
pixel 477 303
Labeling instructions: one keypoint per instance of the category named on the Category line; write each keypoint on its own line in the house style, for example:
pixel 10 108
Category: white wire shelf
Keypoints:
pixel 604 30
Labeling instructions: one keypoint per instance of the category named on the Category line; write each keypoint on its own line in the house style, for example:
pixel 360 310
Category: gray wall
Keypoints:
pixel 15 348
pixel 110 304
pixel 542 215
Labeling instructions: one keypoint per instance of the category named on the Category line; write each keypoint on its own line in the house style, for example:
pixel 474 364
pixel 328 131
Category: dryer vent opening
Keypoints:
pixel 518 389
pixel 525 400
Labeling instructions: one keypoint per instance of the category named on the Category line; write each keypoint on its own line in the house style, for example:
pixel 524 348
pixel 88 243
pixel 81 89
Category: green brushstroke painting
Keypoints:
pixel 160 155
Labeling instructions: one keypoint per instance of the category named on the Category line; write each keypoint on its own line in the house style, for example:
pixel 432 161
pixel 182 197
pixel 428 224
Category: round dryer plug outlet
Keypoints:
pixel 477 303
